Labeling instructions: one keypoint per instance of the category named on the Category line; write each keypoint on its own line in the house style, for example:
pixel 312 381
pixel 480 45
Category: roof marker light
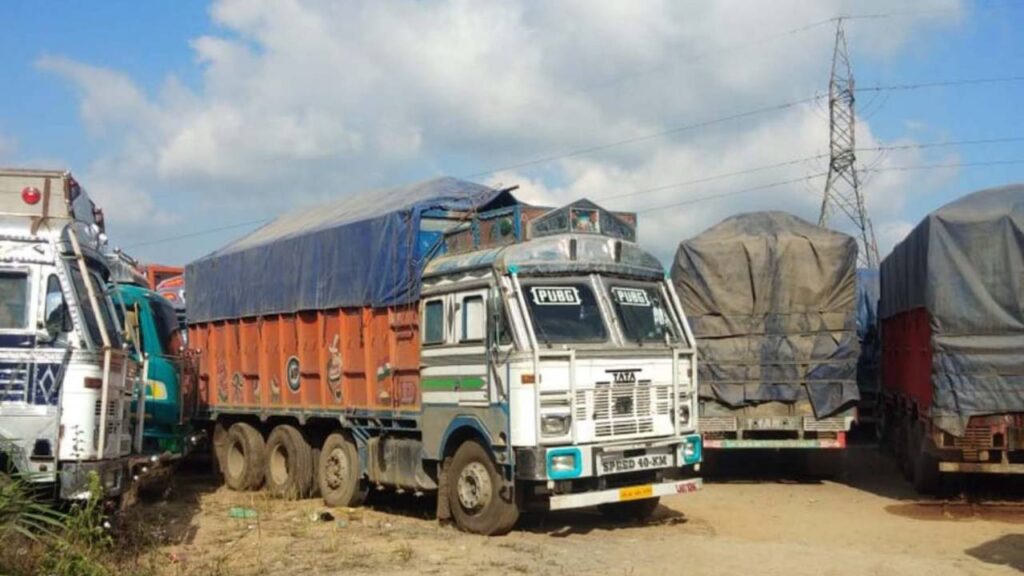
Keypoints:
pixel 31 195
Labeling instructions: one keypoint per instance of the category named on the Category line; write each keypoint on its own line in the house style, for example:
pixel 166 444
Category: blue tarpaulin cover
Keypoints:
pixel 361 250
pixel 964 263
pixel 869 363
pixel 771 299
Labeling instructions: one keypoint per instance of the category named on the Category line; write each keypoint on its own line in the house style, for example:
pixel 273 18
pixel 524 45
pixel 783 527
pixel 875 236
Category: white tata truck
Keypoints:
pixel 446 337
pixel 66 379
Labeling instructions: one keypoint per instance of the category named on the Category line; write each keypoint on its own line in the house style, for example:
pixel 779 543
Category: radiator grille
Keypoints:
pixel 624 409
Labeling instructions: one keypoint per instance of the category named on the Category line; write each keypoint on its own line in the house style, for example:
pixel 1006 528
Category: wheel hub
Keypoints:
pixel 337 469
pixel 474 487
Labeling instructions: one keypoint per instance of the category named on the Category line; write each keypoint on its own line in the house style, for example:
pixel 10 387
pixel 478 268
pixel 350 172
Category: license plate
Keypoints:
pixel 613 464
pixel 772 423
pixel 636 493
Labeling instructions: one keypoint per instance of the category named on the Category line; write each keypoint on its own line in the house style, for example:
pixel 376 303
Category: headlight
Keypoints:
pixel 555 424
pixel 563 463
pixel 684 413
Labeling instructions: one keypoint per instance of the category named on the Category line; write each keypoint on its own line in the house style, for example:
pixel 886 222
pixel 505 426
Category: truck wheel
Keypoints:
pixel 243 457
pixel 477 494
pixel 926 477
pixel 636 510
pixel 289 463
pixel 338 473
pixel 220 447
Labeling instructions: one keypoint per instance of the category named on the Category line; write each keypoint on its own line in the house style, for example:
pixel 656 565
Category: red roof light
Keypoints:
pixel 31 195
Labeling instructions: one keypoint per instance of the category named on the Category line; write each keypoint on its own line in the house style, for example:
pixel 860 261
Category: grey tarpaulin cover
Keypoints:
pixel 362 250
pixel 964 263
pixel 772 301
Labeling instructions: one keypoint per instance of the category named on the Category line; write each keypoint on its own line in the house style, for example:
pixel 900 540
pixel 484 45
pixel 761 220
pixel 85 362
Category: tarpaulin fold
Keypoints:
pixel 361 250
pixel 771 300
pixel 964 264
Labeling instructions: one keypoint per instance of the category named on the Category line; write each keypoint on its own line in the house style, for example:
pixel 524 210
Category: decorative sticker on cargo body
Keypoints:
pixel 293 374
pixel 334 368
pixel 222 381
pixel 237 386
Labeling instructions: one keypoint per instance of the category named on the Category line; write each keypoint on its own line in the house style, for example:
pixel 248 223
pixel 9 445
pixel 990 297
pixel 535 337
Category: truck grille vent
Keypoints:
pixel 624 409
pixel 14 383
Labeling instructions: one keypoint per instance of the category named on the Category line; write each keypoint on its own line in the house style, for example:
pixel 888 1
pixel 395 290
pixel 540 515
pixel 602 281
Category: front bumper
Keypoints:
pixel 625 494
pixel 112 474
pixel 828 443
pixel 982 467
pixel 549 462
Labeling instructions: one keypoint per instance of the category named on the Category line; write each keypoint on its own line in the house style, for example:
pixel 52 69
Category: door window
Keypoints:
pixel 433 322
pixel 13 300
pixel 474 319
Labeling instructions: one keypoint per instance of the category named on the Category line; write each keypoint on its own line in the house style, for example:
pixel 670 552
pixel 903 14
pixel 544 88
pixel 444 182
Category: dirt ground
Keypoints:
pixel 747 520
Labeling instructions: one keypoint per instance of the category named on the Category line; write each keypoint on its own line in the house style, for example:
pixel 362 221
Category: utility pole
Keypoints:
pixel 842 188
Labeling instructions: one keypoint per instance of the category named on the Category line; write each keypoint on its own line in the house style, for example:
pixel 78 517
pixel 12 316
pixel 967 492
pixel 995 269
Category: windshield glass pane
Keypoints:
pixel 89 314
pixel 565 313
pixel 13 300
pixel 643 314
pixel 166 323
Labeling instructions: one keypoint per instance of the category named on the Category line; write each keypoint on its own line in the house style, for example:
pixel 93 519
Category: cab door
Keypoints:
pixel 455 349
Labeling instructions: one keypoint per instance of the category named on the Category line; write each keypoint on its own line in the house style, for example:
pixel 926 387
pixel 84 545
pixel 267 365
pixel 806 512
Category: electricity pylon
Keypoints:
pixel 842 188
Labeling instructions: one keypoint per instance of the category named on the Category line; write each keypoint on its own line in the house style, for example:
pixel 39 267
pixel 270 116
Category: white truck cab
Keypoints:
pixel 66 381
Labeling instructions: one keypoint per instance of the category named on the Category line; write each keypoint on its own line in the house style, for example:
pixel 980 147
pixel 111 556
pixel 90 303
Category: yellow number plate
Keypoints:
pixel 636 493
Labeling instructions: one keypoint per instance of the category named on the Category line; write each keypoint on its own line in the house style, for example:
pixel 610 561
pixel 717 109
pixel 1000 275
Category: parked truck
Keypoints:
pixel 771 299
pixel 67 383
pixel 952 317
pixel 446 337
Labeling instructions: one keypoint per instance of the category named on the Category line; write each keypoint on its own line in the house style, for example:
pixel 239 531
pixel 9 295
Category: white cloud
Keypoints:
pixel 302 100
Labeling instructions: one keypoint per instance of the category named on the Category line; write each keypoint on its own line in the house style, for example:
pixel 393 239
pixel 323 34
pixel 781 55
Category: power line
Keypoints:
pixel 199 233
pixel 917 146
pixel 821 174
pixel 732 117
pixel 941 84
pixel 649 136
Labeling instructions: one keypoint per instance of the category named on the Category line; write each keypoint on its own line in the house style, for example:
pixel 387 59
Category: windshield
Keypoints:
pixel 89 314
pixel 13 300
pixel 165 320
pixel 565 313
pixel 643 314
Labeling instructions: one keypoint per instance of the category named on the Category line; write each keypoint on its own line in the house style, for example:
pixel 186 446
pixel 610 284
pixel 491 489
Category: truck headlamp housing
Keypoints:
pixel 555 424
pixel 684 413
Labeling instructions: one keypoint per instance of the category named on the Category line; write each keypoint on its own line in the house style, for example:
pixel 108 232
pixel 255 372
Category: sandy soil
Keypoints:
pixel 753 520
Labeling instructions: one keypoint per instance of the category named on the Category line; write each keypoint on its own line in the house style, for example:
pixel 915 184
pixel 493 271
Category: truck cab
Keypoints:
pixel 569 349
pixel 66 382
pixel 152 326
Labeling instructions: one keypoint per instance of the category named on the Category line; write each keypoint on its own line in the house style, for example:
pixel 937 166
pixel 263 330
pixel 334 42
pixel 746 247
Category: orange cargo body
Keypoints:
pixel 340 360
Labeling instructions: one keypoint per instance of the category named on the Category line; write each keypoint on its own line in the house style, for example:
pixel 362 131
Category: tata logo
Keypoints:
pixel 623 376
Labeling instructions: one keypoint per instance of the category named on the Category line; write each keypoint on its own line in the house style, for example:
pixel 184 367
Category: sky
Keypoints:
pixel 191 122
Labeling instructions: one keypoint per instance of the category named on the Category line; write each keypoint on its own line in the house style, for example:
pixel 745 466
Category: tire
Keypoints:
pixel 288 463
pixel 478 495
pixel 338 473
pixel 244 458
pixel 636 510
pixel 220 447
pixel 926 476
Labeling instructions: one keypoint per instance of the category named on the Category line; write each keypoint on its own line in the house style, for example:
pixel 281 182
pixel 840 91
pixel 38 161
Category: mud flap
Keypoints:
pixel 444 510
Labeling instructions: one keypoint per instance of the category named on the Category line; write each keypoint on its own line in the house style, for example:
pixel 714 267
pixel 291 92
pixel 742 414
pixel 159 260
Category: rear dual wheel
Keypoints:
pixel 289 463
pixel 244 457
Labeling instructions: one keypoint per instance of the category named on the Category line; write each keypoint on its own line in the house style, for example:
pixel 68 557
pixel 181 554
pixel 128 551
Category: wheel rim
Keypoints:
pixel 236 459
pixel 279 465
pixel 337 470
pixel 474 487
